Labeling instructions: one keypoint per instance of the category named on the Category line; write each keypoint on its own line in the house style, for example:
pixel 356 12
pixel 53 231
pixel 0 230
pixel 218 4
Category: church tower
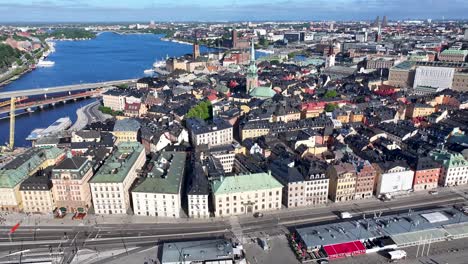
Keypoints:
pixel 330 56
pixel 252 71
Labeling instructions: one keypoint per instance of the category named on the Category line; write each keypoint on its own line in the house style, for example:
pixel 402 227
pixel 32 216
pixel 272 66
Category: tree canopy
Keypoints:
pixel 330 107
pixel 8 56
pixel 203 110
pixel 331 94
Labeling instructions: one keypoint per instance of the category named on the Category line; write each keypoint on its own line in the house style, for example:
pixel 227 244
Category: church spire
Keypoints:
pixel 252 51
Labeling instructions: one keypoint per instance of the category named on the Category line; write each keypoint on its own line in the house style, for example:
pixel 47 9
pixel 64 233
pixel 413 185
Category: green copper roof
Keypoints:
pixel 166 176
pixel 245 183
pixel 21 167
pixel 454 52
pixel 117 166
pixel 262 92
pixel 449 160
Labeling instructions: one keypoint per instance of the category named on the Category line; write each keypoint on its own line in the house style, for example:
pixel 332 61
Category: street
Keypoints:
pixel 66 238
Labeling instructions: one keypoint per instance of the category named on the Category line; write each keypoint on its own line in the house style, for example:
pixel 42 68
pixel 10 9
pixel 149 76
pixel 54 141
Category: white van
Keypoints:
pixel 345 215
pixel 397 254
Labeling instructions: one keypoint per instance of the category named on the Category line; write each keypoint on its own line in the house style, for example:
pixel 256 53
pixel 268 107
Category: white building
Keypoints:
pixel 437 77
pixel 393 178
pixel 454 169
pixel 246 194
pixel 198 192
pixel 110 187
pixel 159 194
pixel 226 155
pixel 216 133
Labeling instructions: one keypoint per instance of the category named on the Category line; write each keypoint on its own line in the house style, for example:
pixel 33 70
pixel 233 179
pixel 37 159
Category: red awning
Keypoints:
pixel 345 249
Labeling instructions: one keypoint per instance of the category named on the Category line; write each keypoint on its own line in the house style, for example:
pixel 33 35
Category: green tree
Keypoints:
pixel 330 107
pixel 331 94
pixel 203 110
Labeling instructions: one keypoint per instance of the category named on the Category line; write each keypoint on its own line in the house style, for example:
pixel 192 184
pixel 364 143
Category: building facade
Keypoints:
pixel 36 193
pixel 426 175
pixel 438 77
pixel 160 192
pixel 17 170
pixel 365 177
pixel 246 194
pixel 393 178
pixel 454 168
pixel 453 55
pixel 126 130
pixel 70 181
pixel 342 185
pixel 198 192
pixel 110 187
pixel 215 133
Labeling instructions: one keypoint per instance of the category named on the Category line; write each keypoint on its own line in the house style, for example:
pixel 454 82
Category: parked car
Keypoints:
pixel 258 214
pixel 263 243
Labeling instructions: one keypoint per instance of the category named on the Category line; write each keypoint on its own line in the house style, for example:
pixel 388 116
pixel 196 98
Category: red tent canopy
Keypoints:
pixel 345 249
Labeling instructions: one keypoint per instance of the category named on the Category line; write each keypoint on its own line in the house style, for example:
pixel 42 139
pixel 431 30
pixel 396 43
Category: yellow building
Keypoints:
pixel 126 130
pixel 356 116
pixel 342 185
pixel 419 110
pixel 36 193
pixel 20 168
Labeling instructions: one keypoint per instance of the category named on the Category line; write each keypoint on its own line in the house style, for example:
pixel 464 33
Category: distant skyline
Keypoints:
pixel 227 10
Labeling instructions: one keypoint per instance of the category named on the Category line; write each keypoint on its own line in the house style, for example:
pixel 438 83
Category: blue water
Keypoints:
pixel 108 57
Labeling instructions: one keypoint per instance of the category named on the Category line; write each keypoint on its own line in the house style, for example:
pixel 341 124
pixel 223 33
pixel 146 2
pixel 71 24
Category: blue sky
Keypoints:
pixel 225 10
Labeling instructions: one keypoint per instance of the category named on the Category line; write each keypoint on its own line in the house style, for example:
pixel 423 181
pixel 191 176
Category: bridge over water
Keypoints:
pixel 65 88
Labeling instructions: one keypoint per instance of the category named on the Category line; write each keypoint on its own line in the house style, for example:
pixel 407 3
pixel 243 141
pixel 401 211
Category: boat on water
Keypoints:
pixel 148 71
pixel 58 126
pixel 159 64
pixel 266 51
pixel 45 63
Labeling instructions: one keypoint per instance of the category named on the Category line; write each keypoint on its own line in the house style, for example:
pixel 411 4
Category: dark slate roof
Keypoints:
pixel 39 181
pixel 199 184
pixel 73 163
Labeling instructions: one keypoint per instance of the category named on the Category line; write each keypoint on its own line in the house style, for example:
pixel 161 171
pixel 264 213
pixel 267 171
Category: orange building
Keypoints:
pixel 426 175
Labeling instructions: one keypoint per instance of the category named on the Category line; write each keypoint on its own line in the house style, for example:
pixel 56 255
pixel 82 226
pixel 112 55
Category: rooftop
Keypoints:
pixel 245 183
pixel 116 168
pixel 165 175
pixel 389 225
pixel 127 124
pixel 197 251
pixel 199 126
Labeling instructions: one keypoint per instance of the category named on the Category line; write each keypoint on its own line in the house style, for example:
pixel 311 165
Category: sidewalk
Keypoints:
pixel 10 219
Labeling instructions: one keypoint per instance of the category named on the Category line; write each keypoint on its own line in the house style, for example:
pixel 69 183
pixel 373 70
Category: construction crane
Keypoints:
pixel 12 123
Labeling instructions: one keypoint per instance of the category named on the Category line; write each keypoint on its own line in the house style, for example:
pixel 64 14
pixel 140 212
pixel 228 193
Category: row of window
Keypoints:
pixel 234 211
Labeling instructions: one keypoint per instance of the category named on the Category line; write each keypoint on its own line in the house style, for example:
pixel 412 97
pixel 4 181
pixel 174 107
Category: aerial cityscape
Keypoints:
pixel 207 133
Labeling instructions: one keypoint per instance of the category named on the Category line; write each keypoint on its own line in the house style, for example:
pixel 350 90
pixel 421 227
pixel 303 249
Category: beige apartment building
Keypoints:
pixel 246 194
pixel 342 182
pixel 20 168
pixel 70 181
pixel 114 99
pixel 36 193
pixel 110 187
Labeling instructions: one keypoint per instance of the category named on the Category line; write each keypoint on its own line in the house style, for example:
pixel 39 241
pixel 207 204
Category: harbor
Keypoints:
pixel 108 63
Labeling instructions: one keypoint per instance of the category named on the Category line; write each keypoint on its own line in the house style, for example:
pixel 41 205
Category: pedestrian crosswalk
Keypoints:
pixel 236 229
